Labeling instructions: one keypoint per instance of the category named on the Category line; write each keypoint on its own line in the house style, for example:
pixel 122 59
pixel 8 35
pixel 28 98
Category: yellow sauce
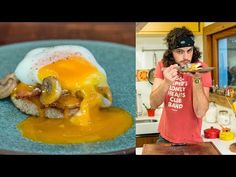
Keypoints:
pixel 108 124
pixel 92 123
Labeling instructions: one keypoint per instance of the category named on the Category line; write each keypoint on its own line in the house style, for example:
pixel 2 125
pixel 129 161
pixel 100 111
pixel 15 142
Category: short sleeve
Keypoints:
pixel 206 78
pixel 158 71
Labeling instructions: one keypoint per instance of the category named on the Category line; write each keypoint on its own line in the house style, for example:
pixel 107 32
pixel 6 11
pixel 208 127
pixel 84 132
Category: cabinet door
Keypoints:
pixel 224 51
pixel 219 51
pixel 162 28
pixel 141 140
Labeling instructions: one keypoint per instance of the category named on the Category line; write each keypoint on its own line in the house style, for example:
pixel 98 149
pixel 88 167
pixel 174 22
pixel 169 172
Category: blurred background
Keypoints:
pixel 118 32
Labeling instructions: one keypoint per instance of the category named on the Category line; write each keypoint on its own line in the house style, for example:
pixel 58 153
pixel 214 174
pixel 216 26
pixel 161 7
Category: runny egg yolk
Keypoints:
pixel 92 123
pixel 73 73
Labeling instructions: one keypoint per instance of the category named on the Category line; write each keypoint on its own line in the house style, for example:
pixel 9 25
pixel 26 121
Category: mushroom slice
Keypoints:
pixel 106 95
pixel 7 85
pixel 51 90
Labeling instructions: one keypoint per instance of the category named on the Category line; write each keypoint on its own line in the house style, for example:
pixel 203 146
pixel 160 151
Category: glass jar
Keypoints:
pixel 223 117
pixel 211 114
pixel 139 105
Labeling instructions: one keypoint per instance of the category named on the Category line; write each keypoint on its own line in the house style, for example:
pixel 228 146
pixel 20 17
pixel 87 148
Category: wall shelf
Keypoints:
pixel 222 100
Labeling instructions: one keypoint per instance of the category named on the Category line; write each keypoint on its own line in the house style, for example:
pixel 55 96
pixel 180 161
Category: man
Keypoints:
pixel 232 76
pixel 185 95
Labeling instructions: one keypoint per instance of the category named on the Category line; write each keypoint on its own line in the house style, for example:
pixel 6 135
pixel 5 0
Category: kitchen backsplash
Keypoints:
pixel 146 59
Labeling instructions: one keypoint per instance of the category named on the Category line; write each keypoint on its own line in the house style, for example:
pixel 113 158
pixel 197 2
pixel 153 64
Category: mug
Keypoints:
pixel 151 112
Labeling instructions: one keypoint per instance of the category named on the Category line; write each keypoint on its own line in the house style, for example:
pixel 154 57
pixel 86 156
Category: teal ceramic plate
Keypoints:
pixel 119 64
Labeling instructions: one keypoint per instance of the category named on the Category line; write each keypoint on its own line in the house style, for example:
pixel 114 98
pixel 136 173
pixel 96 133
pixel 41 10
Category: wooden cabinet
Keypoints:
pixel 146 139
pixel 162 28
pixel 211 36
pixel 201 148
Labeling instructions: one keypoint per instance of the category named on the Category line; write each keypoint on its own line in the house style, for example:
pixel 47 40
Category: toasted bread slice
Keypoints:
pixel 30 108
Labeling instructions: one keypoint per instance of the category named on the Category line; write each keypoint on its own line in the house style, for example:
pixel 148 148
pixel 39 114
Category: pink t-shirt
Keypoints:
pixel 178 123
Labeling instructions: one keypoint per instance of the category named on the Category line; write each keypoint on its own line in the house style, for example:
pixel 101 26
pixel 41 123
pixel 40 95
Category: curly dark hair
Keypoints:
pixel 171 39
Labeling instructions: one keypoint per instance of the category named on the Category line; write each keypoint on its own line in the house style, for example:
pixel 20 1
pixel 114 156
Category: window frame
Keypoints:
pixel 211 34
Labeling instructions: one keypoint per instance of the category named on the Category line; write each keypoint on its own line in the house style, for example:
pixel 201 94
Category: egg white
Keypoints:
pixel 27 70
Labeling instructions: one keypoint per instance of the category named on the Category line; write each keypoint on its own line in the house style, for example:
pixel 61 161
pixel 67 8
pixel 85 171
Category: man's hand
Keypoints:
pixel 171 73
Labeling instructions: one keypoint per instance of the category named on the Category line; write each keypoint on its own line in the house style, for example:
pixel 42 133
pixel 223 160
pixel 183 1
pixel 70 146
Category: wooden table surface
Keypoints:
pixel 204 148
pixel 118 32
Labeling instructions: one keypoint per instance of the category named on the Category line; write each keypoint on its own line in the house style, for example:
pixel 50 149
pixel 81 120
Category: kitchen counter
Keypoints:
pixel 221 145
pixel 148 125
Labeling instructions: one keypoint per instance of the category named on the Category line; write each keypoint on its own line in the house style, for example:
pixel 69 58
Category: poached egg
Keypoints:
pixel 77 70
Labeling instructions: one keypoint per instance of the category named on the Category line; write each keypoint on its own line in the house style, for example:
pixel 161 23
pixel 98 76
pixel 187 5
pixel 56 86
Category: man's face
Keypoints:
pixel 183 55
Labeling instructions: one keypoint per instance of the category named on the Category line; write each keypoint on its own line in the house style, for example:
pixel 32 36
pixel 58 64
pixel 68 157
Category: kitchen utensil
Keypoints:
pixel 151 75
pixel 226 134
pixel 179 144
pixel 139 104
pixel 221 126
pixel 211 133
pixel 223 117
pixel 151 112
pixel 200 70
pixel 145 106
pixel 154 59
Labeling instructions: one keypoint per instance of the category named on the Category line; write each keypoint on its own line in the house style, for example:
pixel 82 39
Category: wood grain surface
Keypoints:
pixel 118 32
pixel 206 148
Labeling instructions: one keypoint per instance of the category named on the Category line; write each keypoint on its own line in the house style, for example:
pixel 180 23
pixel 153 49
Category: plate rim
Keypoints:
pixel 201 70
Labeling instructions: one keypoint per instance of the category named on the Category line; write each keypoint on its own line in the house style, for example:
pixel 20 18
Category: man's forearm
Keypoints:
pixel 158 95
pixel 200 99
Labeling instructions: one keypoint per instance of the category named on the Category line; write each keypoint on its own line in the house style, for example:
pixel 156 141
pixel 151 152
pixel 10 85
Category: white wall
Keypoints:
pixel 145 60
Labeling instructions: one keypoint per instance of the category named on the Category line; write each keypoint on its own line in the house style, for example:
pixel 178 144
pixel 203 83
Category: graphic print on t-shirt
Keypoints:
pixel 176 94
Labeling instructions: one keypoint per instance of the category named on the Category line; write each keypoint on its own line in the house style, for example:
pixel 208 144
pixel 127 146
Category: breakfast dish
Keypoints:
pixel 192 68
pixel 64 82
pixel 195 67
pixel 53 81
pixel 66 95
